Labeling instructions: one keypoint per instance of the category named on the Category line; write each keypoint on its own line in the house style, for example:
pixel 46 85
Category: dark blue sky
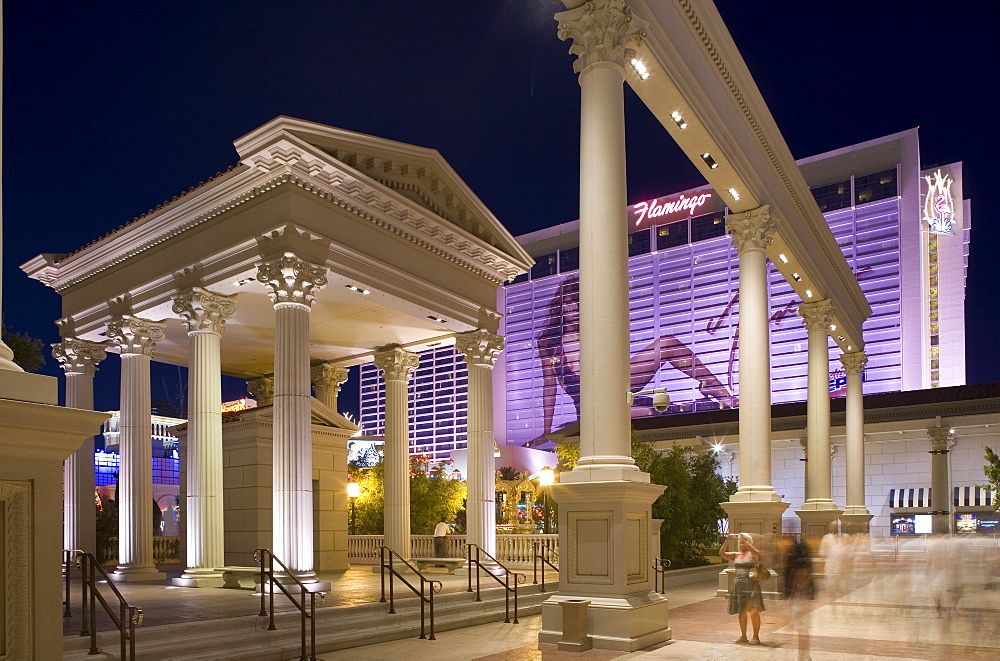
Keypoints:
pixel 111 108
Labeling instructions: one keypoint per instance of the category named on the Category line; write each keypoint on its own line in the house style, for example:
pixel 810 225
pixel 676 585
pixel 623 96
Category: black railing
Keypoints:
pixel 127 618
pixel 69 563
pixel 474 555
pixel 660 565
pixel 267 561
pixel 386 557
pixel 541 558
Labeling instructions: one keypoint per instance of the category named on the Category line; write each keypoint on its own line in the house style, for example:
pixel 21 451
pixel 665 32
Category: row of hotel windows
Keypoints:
pixel 830 197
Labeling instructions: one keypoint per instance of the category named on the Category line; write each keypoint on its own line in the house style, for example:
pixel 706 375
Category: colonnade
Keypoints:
pixel 293 284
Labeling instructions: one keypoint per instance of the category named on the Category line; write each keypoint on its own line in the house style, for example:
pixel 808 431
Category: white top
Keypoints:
pixel 441 529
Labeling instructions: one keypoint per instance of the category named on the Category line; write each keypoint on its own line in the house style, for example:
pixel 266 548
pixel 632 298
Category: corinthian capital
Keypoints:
pixel 602 31
pixel 480 347
pixel 78 356
pixel 326 377
pixel 854 362
pixel 396 363
pixel 291 280
pixel 134 335
pixel 942 438
pixel 262 390
pixel 203 310
pixel 816 315
pixel 751 230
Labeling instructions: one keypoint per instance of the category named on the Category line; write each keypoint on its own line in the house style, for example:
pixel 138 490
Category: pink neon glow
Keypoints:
pixel 650 209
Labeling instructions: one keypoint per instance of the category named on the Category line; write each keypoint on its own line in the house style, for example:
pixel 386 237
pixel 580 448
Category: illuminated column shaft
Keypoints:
pixel 327 379
pixel 941 439
pixel 79 361
pixel 855 431
pixel 205 315
pixel 136 339
pixel 293 284
pixel 751 232
pixel 480 348
pixel 397 365
pixel 817 317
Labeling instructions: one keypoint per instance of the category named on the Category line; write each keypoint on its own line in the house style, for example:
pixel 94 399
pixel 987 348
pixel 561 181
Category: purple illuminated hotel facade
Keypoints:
pixel 684 305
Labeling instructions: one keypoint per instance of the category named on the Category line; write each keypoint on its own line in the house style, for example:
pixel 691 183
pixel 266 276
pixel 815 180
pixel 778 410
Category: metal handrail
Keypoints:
pixel 69 561
pixel 385 553
pixel 267 560
pixel 505 583
pixel 541 559
pixel 660 565
pixel 128 618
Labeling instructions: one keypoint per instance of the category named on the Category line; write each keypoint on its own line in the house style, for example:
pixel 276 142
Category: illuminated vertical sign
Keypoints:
pixel 939 207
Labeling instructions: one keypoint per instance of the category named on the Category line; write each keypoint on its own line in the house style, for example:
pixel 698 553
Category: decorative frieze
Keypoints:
pixel 396 363
pixel 262 390
pixel 854 362
pixel 480 347
pixel 135 335
pixel 751 230
pixel 817 316
pixel 291 279
pixel 602 31
pixel 203 310
pixel 78 356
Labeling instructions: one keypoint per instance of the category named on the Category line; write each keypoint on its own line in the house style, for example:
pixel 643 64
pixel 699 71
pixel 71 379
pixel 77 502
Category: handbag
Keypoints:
pixel 759 572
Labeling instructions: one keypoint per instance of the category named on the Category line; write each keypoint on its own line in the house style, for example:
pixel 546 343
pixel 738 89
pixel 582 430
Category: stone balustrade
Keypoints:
pixel 511 549
pixel 166 551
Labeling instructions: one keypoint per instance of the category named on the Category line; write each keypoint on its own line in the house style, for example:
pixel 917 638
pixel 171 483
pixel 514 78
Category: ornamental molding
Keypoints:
pixel 203 310
pixel 79 356
pixel 291 279
pixel 17 575
pixel 262 390
pixel 396 363
pixel 941 438
pixel 134 335
pixel 751 230
pixel 854 362
pixel 328 376
pixel 480 347
pixel 602 31
pixel 817 315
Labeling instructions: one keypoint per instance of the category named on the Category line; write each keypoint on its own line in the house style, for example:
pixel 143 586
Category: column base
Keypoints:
pixel 761 518
pixel 199 578
pixel 855 520
pixel 126 574
pixel 816 517
pixel 624 624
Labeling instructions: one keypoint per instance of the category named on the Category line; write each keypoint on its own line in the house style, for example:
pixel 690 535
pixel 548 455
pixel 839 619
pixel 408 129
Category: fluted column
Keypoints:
pixel 326 379
pixel 941 438
pixel 856 515
pixel 817 317
pixel 136 339
pixel 397 364
pixel 78 359
pixel 751 233
pixel 293 285
pixel 262 390
pixel 480 348
pixel 205 315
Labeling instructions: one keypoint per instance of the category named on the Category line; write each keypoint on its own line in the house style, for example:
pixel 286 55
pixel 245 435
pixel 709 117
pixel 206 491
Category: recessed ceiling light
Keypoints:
pixel 782 258
pixel 678 120
pixel 709 161
pixel 640 68
pixel 357 289
pixel 734 193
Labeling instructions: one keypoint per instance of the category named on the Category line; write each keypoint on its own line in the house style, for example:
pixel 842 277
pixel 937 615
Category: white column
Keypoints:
pixel 79 359
pixel 262 390
pixel 136 339
pixel 326 379
pixel 205 315
pixel 397 365
pixel 817 317
pixel 941 438
pixel 293 283
pixel 751 233
pixel 856 515
pixel 480 348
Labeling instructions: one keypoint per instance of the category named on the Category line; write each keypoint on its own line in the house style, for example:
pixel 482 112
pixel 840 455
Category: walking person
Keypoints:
pixel 744 595
pixel 441 531
pixel 799 589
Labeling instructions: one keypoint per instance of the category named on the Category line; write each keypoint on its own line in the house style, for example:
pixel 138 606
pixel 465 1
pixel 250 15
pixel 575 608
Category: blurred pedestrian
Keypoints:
pixel 799 590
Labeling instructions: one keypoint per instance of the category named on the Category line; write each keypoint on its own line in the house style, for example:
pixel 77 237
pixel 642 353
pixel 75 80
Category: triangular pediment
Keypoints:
pixel 419 174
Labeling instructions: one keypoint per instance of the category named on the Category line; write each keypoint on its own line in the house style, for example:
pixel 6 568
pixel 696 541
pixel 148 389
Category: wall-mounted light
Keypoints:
pixel 437 319
pixel 357 289
pixel 734 193
pixel 678 120
pixel 782 258
pixel 809 293
pixel 709 161
pixel 640 68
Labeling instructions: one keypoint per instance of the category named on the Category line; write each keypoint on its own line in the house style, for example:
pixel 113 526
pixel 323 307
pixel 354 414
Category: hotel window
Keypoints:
pixel 831 197
pixel 708 226
pixel 569 260
pixel 638 243
pixel 672 235
pixel 544 266
pixel 877 186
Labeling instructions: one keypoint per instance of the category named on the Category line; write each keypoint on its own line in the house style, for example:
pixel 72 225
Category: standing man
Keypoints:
pixel 441 531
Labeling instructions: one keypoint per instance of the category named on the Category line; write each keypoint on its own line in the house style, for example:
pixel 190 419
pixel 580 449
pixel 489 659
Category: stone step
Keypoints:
pixel 338 627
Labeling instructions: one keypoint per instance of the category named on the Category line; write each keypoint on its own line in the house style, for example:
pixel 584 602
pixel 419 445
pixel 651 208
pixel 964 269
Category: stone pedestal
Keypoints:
pixel 855 523
pixel 816 522
pixel 762 520
pixel 604 530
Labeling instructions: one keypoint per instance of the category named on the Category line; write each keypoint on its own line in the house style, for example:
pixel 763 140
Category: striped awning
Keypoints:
pixel 916 497
pixel 973 497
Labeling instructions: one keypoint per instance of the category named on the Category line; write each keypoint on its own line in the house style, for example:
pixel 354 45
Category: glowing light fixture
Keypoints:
pixel 357 289
pixel 848 347
pixel 734 193
pixel 437 319
pixel 640 69
pixel 716 448
pixel 678 120
pixel 809 293
pixel 353 489
pixel 546 476
pixel 782 258
pixel 796 277
pixel 833 327
pixel 709 161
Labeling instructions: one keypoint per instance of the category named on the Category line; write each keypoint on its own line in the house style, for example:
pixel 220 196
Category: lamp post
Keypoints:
pixel 546 477
pixel 353 491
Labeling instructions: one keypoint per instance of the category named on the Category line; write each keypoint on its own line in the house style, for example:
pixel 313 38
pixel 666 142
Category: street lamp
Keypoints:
pixel 353 491
pixel 546 477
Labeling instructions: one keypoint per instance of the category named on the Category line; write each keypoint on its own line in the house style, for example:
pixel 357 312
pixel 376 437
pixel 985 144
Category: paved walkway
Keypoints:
pixel 891 617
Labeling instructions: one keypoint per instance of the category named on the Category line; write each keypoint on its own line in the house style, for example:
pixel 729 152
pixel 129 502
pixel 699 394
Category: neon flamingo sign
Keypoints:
pixel 653 209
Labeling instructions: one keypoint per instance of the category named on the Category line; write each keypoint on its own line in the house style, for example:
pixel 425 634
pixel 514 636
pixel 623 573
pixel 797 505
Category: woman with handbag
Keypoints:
pixel 744 594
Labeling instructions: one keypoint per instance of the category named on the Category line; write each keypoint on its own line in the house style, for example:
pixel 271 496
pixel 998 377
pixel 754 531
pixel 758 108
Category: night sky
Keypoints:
pixel 111 108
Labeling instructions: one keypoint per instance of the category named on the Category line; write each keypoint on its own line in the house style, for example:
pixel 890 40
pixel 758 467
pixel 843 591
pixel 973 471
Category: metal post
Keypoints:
pixel 312 626
pixel 381 567
pixel 478 567
pixel 392 602
pixel 468 562
pixel 302 621
pixel 86 605
pixel 270 590
pixel 93 610
pixel 432 609
pixel 133 616
pixel 122 614
pixel 506 598
pixel 515 599
pixel 422 608
pixel 263 609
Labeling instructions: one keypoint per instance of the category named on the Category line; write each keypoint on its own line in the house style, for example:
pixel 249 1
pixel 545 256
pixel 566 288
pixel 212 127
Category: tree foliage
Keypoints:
pixel 992 471
pixel 434 497
pixel 28 351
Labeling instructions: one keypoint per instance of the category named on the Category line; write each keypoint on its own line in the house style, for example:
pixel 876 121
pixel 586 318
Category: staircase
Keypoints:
pixel 246 638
